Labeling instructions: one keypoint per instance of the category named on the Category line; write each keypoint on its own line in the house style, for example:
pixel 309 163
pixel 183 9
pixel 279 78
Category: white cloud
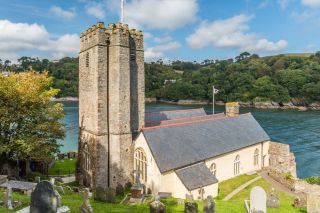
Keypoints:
pixel 232 33
pixel 20 37
pixel 158 51
pixel 58 11
pixel 162 40
pixel 96 10
pixel 283 3
pixel 311 3
pixel 304 15
pixel 164 14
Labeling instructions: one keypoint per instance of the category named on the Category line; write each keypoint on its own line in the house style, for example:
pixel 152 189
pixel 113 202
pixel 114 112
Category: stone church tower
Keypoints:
pixel 111 103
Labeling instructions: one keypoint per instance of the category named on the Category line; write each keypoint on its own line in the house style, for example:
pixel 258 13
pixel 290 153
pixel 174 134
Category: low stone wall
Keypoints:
pixel 281 159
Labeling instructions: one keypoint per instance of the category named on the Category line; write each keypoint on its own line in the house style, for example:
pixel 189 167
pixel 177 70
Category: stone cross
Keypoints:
pixel 209 205
pixel 137 174
pixel 86 206
pixel 44 198
pixel 7 198
pixel 258 200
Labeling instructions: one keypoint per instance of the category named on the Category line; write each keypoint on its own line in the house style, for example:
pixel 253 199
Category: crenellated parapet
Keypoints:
pixel 94 35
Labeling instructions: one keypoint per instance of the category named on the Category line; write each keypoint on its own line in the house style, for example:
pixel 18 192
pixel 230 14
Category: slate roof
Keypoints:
pixel 155 118
pixel 196 176
pixel 178 145
pixel 191 119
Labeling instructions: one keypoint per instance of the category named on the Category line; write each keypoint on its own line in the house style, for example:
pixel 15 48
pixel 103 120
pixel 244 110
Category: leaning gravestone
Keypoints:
pixel 156 206
pixel 86 206
pixel 44 198
pixel 273 200
pixel 258 200
pixel 7 198
pixel 37 179
pixel 313 203
pixel 190 207
pixel 209 205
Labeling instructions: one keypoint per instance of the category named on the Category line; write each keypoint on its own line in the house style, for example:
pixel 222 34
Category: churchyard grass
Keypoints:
pixel 63 167
pixel 234 205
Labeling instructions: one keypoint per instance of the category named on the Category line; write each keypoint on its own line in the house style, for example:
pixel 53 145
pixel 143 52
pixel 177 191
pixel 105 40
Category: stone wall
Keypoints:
pixel 281 159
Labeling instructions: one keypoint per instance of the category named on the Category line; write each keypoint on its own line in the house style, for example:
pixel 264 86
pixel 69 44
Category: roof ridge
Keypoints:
pixel 184 118
pixel 174 110
pixel 192 122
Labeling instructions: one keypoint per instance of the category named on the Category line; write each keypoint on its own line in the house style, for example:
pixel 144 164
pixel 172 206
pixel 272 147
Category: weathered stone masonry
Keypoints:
pixel 111 102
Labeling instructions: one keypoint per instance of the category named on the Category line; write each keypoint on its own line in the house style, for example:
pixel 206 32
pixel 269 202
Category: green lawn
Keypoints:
pixel 63 167
pixel 234 205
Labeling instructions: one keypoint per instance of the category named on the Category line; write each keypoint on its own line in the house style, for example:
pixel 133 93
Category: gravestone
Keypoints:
pixel 86 206
pixel 100 194
pixel 60 189
pixel 44 198
pixel 156 206
pixel 37 179
pixel 119 190
pixel 190 207
pixel 7 198
pixel 209 205
pixel 52 180
pixel 273 200
pixel 258 200
pixel 111 195
pixel 313 203
pixel 127 186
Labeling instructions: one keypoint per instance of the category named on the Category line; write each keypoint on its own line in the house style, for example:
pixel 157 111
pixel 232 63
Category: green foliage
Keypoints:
pixel 313 180
pixel 29 120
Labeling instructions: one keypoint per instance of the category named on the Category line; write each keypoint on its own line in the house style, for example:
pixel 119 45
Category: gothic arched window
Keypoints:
pixel 256 157
pixel 86 158
pixel 213 169
pixel 236 165
pixel 140 163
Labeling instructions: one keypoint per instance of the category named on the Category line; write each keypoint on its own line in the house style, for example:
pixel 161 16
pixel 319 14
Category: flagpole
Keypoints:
pixel 122 4
pixel 213 91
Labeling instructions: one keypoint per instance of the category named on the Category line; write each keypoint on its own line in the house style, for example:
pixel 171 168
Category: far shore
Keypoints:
pixel 259 105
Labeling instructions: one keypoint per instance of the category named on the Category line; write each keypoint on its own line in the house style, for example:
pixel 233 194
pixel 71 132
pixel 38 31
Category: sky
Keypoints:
pixel 192 30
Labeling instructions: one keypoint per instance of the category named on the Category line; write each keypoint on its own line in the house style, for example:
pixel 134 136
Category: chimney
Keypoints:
pixel 232 109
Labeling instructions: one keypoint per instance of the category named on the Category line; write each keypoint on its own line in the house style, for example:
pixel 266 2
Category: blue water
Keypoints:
pixel 299 129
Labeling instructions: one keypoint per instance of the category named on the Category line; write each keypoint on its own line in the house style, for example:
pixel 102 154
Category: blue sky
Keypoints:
pixel 174 29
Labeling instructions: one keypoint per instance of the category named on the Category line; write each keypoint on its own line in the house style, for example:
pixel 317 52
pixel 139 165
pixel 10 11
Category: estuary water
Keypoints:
pixel 299 129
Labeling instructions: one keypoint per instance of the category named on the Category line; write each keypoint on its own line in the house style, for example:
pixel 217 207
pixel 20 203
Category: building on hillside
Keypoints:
pixel 191 154
pixel 177 152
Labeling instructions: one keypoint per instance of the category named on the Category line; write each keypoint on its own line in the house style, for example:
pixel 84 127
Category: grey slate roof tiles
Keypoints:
pixel 155 118
pixel 196 176
pixel 180 145
pixel 192 119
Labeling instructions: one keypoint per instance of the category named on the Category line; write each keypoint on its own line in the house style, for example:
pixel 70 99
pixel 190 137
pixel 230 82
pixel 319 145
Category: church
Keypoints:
pixel 183 152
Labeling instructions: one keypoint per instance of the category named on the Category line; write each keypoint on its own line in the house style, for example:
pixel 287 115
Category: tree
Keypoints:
pixel 29 120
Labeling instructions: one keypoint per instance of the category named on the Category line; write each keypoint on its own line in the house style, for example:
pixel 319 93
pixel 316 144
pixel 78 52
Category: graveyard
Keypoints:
pixel 73 200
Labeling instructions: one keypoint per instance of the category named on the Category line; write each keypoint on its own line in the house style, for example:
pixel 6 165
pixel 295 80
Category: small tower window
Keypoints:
pixel 87 60
pixel 86 158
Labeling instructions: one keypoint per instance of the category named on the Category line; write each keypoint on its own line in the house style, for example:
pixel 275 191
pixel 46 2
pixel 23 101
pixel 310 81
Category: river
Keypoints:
pixel 299 129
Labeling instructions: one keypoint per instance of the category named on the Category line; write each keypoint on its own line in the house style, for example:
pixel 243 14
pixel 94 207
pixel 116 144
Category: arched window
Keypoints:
pixel 140 163
pixel 86 158
pixel 256 157
pixel 87 60
pixel 213 169
pixel 236 165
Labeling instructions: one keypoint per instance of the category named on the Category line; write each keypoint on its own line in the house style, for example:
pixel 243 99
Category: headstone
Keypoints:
pixel 273 200
pixel 100 194
pixel 119 190
pixel 111 195
pixel 86 206
pixel 44 198
pixel 258 200
pixel 300 202
pixel 156 206
pixel 209 205
pixel 52 180
pixel 127 186
pixel 7 198
pixel 60 189
pixel 313 203
pixel 190 207
pixel 37 179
